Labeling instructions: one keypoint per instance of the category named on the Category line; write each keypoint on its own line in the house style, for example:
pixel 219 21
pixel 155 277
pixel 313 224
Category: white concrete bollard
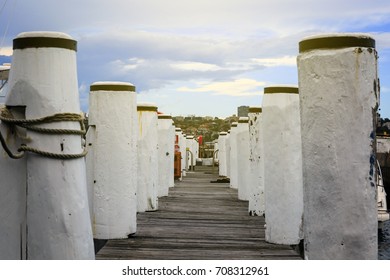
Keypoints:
pixel 256 170
pixel 182 148
pixel 184 156
pixel 339 95
pixel 165 153
pixel 243 158
pixel 147 187
pixel 282 165
pixel 171 144
pixel 12 196
pixel 190 153
pixel 233 156
pixel 43 80
pixel 222 154
pixel 112 159
pixel 227 148
pixel 182 143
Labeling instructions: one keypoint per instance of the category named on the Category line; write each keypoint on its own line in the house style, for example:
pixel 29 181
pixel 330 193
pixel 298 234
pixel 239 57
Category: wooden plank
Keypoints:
pixel 198 220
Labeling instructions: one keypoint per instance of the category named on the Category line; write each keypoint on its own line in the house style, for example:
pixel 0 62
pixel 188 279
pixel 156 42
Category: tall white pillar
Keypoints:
pixel 171 147
pixel 112 161
pixel 165 152
pixel 12 196
pixel 243 158
pixel 256 161
pixel 227 148
pixel 339 95
pixel 43 79
pixel 147 186
pixel 222 154
pixel 233 156
pixel 282 165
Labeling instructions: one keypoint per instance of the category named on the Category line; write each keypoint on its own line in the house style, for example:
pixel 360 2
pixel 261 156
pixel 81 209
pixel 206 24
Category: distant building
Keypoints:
pixel 243 111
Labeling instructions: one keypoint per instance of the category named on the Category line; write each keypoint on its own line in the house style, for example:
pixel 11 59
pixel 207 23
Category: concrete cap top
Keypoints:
pixel 112 86
pixel 178 129
pixel 44 39
pixel 255 109
pixel 336 41
pixel 234 124
pixel 190 137
pixel 223 133
pixel 281 89
pixel 146 107
pixel 243 120
pixel 164 117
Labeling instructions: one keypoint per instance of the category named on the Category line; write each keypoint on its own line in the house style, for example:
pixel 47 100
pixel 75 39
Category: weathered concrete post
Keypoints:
pixel 12 195
pixel 43 80
pixel 112 161
pixel 171 146
pixel 243 181
pixel 339 95
pixel 227 148
pixel 222 154
pixel 233 156
pixel 190 152
pixel 165 152
pixel 256 169
pixel 182 147
pixel 282 165
pixel 182 141
pixel 147 186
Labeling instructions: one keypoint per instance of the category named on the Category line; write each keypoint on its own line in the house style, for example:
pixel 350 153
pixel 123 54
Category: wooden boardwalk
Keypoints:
pixel 199 220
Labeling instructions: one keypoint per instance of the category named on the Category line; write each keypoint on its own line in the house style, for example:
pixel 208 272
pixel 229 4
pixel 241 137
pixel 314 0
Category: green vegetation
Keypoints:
pixel 208 127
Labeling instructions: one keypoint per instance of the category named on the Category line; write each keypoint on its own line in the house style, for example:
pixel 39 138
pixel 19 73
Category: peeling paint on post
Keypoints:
pixel 243 180
pixel 43 78
pixel 256 169
pixel 282 165
pixel 112 164
pixel 222 154
pixel 339 94
pixel 147 199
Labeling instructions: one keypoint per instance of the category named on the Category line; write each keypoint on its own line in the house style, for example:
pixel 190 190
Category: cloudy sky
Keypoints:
pixel 201 57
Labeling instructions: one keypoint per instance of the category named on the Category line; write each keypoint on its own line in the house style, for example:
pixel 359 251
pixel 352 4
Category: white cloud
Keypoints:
pixel 158 44
pixel 7 51
pixel 195 66
pixel 238 87
pixel 286 60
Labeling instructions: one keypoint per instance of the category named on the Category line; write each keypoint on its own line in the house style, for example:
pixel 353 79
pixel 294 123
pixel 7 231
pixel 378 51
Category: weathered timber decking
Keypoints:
pixel 198 220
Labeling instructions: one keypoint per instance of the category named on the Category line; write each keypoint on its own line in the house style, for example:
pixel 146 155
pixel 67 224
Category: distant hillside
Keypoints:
pixel 208 127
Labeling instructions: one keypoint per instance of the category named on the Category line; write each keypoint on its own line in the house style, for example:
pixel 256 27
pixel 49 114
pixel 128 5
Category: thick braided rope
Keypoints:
pixel 6 117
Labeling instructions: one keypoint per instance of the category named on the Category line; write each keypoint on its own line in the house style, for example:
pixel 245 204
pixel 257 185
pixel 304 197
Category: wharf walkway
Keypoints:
pixel 199 220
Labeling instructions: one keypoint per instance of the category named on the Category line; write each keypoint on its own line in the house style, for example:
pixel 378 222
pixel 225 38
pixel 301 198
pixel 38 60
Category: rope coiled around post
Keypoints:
pixel 30 124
